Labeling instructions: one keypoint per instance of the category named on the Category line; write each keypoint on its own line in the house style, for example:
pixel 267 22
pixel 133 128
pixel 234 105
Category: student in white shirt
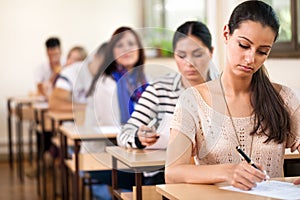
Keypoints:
pixel 46 72
pixel 73 83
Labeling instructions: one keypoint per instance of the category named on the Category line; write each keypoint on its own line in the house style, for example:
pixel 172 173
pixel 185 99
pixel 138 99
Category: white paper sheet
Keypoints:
pixel 164 132
pixel 107 129
pixel 274 189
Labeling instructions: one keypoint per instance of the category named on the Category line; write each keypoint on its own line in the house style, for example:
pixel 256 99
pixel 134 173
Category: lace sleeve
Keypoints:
pixel 184 118
pixel 293 104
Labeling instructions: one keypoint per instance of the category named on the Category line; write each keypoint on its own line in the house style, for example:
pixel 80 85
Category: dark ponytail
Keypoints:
pixel 270 112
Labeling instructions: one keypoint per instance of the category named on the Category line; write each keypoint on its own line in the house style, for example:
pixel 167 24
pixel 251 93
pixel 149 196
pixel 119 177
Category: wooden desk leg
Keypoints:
pixel 10 149
pixel 114 176
pixel 20 142
pixel 76 175
pixel 38 162
pixel 31 142
pixel 44 171
pixel 64 173
pixel 138 182
pixel 53 168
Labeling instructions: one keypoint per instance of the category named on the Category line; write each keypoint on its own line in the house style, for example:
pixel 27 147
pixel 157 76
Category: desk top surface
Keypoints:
pixel 291 155
pixel 93 162
pixel 137 157
pixel 201 191
pixel 72 131
pixel 60 116
pixel 27 99
pixel 40 106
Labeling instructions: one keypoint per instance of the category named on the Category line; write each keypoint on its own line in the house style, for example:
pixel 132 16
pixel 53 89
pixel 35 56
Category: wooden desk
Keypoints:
pixel 290 159
pixel 39 109
pixel 57 118
pixel 138 161
pixel 19 106
pixel 201 191
pixel 289 155
pixel 78 134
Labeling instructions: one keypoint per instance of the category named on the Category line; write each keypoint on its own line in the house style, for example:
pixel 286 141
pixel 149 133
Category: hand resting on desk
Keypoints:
pixel 147 136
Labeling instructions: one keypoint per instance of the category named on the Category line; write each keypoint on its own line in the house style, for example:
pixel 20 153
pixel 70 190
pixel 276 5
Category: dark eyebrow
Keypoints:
pixel 198 49
pixel 268 46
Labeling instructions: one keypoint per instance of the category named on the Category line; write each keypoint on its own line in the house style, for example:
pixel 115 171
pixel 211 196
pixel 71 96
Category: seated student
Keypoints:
pixel 75 54
pixel 192 52
pixel 113 94
pixel 46 72
pixel 74 81
pixel 242 109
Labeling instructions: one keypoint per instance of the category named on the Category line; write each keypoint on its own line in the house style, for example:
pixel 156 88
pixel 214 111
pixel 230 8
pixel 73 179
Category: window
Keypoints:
pixel 162 17
pixel 288 42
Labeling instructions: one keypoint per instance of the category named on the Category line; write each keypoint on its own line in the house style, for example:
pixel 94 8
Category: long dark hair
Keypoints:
pixel 109 64
pixel 270 113
pixel 195 28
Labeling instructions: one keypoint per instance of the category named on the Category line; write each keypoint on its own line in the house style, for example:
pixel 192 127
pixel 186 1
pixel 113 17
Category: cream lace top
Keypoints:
pixel 214 140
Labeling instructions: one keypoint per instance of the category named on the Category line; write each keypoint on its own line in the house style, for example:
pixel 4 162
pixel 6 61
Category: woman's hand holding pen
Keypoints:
pixel 147 136
pixel 245 176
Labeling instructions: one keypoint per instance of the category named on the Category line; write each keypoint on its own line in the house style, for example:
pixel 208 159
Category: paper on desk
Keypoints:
pixel 274 189
pixel 164 132
pixel 107 129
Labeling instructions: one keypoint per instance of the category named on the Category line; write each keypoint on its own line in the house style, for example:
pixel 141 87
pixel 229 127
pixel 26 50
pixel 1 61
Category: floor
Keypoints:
pixel 11 187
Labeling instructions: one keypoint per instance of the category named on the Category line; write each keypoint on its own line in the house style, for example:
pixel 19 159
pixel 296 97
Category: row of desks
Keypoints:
pixel 115 158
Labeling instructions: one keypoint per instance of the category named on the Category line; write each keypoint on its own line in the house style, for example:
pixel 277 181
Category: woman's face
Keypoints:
pixel 248 47
pixel 73 57
pixel 126 51
pixel 192 58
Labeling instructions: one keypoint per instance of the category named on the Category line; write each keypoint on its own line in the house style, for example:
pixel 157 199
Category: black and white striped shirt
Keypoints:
pixel 159 98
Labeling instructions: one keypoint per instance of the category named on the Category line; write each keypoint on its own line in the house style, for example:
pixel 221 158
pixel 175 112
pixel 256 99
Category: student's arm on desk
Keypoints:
pixel 180 170
pixel 61 100
pixel 129 136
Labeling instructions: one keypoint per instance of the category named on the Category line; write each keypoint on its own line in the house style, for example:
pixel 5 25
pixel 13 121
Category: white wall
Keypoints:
pixel 25 25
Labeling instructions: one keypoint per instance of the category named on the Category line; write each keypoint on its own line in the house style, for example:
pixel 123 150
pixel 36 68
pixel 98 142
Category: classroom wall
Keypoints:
pixel 25 25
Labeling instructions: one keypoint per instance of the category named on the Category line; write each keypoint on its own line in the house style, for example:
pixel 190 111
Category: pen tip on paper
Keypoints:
pixel 267 176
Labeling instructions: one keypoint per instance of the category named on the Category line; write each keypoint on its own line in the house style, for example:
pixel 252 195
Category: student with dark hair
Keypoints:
pixel 120 81
pixel 113 94
pixel 52 42
pixel 241 110
pixel 192 46
pixel 46 73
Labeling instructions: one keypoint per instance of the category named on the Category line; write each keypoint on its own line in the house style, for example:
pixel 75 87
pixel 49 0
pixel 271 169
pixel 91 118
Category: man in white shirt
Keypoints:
pixel 73 83
pixel 46 72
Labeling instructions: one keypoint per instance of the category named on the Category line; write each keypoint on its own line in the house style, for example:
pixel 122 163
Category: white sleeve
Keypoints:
pixel 39 74
pixel 63 83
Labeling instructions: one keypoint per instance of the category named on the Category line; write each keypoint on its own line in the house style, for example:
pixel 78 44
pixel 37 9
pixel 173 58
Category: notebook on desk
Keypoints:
pixel 164 131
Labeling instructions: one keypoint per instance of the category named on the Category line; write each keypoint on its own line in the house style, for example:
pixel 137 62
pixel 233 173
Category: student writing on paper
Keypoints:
pixel 241 108
pixel 192 52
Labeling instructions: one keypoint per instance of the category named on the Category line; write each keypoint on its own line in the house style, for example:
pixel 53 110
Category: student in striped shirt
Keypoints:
pixel 193 53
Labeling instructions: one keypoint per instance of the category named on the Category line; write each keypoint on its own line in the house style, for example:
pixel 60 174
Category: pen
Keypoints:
pixel 150 125
pixel 152 122
pixel 242 153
